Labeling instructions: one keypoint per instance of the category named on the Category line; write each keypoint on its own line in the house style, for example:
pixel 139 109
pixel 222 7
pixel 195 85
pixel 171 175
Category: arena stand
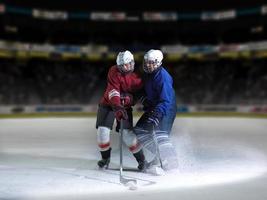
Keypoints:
pixel 48 82
pixel 58 55
pixel 44 82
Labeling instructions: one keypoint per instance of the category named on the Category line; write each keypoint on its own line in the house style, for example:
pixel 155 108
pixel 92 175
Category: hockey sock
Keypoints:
pixel 106 154
pixel 139 156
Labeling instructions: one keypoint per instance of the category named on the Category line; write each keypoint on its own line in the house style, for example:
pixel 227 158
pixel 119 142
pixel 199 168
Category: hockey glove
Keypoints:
pixel 120 113
pixel 153 119
pixel 127 98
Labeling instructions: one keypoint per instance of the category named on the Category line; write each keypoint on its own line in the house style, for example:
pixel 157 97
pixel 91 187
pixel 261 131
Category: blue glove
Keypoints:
pixel 153 119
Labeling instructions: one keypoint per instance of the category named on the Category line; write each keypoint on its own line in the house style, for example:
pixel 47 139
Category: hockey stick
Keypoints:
pixel 157 146
pixel 123 180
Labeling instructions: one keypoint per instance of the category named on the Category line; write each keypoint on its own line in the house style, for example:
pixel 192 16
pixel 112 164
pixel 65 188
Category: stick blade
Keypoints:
pixel 125 181
pixel 126 170
pixel 130 183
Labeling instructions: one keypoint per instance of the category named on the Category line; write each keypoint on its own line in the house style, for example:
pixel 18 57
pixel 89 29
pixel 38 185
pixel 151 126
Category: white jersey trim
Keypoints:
pixel 113 93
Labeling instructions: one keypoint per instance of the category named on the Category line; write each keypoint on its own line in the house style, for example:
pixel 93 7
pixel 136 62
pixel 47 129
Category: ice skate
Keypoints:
pixel 155 170
pixel 152 167
pixel 142 165
pixel 104 163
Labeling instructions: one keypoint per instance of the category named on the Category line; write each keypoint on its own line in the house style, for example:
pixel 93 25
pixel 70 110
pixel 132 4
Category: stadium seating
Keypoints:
pixel 79 82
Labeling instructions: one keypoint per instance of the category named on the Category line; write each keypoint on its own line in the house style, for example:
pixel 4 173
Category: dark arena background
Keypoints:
pixel 54 59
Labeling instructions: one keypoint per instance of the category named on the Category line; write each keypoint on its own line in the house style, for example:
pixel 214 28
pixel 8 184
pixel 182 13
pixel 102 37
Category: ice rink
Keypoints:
pixel 55 158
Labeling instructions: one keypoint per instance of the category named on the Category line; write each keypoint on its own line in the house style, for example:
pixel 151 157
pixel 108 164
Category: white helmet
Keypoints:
pixel 125 62
pixel 152 60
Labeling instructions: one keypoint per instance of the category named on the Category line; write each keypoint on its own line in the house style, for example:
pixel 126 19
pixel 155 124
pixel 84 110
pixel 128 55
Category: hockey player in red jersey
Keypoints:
pixel 122 83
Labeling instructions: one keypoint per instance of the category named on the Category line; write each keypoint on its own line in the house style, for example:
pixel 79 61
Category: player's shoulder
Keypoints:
pixel 163 74
pixel 114 71
pixel 112 74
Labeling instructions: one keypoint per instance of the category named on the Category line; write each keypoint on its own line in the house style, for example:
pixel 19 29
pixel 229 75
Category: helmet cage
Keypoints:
pixel 154 64
pixel 127 67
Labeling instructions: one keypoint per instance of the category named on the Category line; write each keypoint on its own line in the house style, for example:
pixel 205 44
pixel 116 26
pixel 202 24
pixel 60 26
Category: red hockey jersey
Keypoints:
pixel 118 84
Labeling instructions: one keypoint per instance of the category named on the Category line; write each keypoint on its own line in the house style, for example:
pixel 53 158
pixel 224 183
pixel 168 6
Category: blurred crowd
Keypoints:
pixel 221 82
pixel 80 82
pixel 47 82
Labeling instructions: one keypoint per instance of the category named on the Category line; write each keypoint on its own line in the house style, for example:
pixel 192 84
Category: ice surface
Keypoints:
pixel 55 158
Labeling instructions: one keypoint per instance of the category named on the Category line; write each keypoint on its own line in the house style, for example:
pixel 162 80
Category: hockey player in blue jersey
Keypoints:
pixel 159 112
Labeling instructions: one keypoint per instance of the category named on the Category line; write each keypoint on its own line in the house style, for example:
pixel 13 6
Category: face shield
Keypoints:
pixel 127 67
pixel 150 65
pixel 152 60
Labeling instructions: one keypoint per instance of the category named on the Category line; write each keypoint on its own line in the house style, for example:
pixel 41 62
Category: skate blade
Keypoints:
pixel 155 170
pixel 103 168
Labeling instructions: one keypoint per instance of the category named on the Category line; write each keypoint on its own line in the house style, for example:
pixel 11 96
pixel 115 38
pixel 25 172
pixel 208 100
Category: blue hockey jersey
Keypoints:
pixel 160 92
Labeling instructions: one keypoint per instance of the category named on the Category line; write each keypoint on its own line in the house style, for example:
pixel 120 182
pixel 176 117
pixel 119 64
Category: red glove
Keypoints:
pixel 127 99
pixel 120 113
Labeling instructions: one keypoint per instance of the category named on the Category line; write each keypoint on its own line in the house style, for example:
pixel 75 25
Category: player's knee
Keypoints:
pixel 130 140
pixel 129 137
pixel 103 138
